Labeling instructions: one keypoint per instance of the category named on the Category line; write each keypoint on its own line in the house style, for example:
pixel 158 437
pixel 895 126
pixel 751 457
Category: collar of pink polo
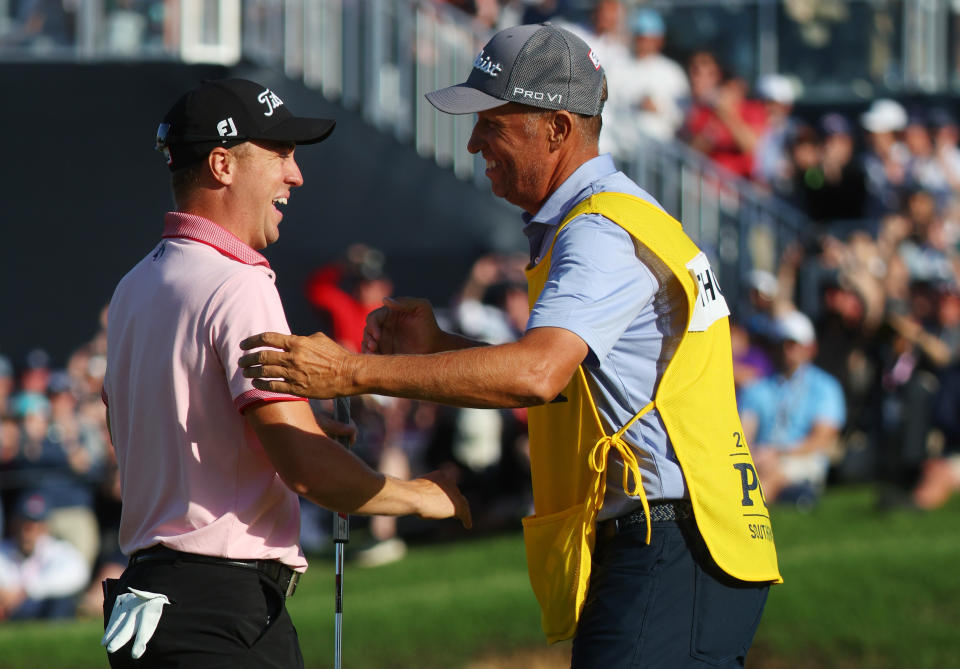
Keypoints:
pixel 178 225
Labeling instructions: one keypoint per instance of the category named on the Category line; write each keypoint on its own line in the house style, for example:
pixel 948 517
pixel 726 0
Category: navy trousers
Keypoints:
pixel 220 617
pixel 665 605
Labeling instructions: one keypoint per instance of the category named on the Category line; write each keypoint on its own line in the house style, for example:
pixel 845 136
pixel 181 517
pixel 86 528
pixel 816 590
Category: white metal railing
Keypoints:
pixel 739 225
pixel 377 57
pixel 386 55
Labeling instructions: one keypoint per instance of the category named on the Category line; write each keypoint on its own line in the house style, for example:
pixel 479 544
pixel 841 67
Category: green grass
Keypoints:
pixel 862 590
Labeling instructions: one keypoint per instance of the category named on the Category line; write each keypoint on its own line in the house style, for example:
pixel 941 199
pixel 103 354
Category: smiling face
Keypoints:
pixel 513 140
pixel 265 174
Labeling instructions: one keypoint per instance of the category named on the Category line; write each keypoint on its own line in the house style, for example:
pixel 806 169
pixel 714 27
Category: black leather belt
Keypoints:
pixel 285 577
pixel 659 512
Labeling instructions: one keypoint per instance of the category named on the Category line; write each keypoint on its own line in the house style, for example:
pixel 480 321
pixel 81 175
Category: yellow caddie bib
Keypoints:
pixel 696 401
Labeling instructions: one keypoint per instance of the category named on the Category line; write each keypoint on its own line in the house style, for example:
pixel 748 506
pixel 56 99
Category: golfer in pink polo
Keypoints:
pixel 210 466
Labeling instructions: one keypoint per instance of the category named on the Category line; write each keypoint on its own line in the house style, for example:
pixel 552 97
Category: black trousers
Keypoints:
pixel 219 617
pixel 665 605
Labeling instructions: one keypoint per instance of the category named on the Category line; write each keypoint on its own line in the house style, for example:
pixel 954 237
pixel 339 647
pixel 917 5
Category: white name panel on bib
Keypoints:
pixel 710 304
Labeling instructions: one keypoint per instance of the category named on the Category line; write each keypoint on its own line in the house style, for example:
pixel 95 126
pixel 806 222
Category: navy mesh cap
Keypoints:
pixel 226 112
pixel 538 65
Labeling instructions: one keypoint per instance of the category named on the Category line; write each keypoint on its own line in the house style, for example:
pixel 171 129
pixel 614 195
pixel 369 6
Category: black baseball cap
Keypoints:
pixel 539 65
pixel 226 112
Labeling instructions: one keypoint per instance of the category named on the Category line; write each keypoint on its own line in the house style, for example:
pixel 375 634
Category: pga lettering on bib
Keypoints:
pixel 710 305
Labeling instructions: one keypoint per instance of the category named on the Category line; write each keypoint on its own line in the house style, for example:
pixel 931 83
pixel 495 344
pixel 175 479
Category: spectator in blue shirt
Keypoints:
pixel 793 418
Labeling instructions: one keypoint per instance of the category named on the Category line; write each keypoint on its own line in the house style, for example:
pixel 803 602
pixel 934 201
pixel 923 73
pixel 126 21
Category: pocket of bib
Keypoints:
pixel 559 551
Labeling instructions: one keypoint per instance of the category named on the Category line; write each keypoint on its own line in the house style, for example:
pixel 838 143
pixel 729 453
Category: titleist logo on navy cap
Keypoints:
pixel 226 112
pixel 485 64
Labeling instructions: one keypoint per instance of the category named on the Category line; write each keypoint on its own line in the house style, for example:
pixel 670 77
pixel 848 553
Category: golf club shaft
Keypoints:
pixel 341 535
pixel 338 610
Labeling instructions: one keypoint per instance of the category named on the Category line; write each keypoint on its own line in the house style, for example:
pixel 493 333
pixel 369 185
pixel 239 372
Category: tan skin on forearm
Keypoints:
pixel 728 110
pixel 743 134
pixel 529 372
pixel 931 345
pixel 320 469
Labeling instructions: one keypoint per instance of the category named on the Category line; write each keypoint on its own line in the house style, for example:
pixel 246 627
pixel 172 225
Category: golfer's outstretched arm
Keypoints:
pixel 318 468
pixel 531 371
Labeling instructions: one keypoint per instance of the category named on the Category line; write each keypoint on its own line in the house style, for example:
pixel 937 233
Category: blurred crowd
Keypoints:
pixel 50 27
pixel 847 356
pixel 59 492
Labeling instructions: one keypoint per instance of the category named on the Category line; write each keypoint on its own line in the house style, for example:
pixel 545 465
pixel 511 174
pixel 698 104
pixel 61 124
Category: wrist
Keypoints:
pixel 421 494
pixel 351 373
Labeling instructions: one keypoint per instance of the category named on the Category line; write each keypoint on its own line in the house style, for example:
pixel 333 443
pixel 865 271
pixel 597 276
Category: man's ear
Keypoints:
pixel 559 129
pixel 222 164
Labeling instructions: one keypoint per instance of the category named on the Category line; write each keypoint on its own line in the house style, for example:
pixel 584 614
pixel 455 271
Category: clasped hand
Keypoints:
pixel 318 367
pixel 313 366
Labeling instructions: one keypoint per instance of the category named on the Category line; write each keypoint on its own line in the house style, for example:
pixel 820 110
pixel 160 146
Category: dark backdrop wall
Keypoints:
pixel 84 193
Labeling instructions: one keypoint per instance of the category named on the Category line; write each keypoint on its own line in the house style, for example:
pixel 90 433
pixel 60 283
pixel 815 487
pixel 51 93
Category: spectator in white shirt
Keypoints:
pixel 771 158
pixel 655 88
pixel 40 576
pixel 886 159
pixel 946 139
pixel 607 37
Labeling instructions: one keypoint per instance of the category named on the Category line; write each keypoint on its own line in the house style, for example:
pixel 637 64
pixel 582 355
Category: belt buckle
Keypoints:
pixel 292 584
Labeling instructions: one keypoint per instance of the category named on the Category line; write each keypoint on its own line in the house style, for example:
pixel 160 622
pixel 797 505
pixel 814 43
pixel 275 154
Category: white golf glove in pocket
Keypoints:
pixel 137 612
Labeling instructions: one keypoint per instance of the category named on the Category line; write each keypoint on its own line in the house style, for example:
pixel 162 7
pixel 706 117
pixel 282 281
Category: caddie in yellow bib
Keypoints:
pixel 694 398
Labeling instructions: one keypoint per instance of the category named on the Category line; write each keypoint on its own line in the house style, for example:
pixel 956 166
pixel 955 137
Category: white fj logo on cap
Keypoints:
pixel 270 99
pixel 226 128
pixel 485 64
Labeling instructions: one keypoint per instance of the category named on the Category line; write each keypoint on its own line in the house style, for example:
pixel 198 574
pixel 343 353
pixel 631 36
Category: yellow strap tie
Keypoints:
pixel 631 469
pixel 598 460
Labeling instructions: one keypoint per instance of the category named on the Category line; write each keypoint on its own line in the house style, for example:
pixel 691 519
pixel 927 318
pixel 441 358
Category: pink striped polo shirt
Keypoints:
pixel 194 475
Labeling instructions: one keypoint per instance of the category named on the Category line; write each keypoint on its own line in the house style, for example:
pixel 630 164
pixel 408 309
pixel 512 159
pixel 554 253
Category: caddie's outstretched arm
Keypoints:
pixel 528 372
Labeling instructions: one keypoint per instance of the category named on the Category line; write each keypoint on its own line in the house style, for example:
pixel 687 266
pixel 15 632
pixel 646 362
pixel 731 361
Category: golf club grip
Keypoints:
pixel 341 413
pixel 341 521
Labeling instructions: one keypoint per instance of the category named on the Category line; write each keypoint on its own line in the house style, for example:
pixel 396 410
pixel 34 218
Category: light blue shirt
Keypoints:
pixel 787 408
pixel 630 311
